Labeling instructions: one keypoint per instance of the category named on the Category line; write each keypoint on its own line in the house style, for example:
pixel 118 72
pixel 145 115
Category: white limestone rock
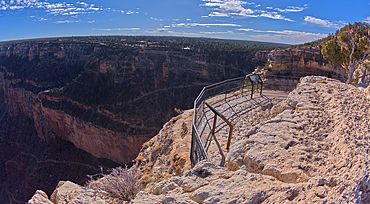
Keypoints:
pixel 40 197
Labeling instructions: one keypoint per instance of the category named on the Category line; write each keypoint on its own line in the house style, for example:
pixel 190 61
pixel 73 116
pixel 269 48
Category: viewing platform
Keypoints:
pixel 237 106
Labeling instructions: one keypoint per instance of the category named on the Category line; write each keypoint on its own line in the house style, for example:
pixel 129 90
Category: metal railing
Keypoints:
pixel 226 121
pixel 200 127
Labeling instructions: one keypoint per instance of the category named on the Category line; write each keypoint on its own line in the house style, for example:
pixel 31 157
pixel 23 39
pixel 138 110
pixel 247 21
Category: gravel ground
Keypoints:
pixel 242 112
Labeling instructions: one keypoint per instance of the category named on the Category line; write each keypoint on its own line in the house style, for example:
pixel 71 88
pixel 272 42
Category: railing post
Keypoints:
pixel 243 86
pixel 227 122
pixel 261 88
pixel 252 90
pixel 230 132
pixel 214 124
pixel 197 152
pixel 192 159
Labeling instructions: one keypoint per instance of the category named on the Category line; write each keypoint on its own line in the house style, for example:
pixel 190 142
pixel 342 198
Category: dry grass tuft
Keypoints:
pixel 122 183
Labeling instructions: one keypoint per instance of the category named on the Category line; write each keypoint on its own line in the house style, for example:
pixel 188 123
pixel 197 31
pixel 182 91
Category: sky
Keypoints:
pixel 289 21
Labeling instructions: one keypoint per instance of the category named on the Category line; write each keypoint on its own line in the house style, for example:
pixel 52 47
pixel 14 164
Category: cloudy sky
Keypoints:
pixel 282 21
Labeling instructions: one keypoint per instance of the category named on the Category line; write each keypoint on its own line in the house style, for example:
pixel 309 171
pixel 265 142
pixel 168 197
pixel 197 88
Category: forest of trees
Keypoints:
pixel 198 44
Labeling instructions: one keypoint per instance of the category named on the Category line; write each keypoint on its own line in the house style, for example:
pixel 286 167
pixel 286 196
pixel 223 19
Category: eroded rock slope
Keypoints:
pixel 314 151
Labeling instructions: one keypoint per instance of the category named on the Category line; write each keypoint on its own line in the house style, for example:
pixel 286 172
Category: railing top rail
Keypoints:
pixel 213 109
pixel 215 85
pixel 200 142
pixel 209 91
pixel 281 76
pixel 223 82
pixel 199 96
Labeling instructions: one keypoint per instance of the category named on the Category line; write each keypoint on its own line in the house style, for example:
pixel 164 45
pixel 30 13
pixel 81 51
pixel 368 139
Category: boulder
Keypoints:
pixel 40 197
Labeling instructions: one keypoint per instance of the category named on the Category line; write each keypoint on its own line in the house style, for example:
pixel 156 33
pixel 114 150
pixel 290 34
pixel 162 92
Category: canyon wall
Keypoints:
pixel 301 62
pixel 315 150
pixel 50 123
pixel 79 103
pixel 105 100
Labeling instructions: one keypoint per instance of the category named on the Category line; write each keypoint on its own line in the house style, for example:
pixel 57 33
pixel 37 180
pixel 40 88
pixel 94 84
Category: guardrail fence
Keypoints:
pixel 200 127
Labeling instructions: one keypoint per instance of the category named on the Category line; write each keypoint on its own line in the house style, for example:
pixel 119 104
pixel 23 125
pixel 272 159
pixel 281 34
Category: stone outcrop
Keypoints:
pixel 167 154
pixel 301 62
pixel 50 124
pixel 68 192
pixel 314 151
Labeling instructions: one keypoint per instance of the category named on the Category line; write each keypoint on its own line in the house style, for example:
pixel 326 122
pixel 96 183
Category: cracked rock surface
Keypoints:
pixel 316 151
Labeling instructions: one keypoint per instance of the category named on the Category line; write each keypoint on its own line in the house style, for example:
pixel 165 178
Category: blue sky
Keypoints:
pixel 288 21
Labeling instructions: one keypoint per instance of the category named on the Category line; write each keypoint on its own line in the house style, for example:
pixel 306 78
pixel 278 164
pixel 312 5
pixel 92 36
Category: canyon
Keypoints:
pixel 76 105
pixel 315 150
pixel 86 102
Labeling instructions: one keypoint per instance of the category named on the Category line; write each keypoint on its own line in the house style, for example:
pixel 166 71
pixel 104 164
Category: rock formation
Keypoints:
pixel 106 98
pixel 301 62
pixel 314 151
pixel 83 91
pixel 285 67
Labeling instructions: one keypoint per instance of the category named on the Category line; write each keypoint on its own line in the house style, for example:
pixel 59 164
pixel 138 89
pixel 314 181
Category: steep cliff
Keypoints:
pixel 301 62
pixel 314 151
pixel 83 92
pixel 106 98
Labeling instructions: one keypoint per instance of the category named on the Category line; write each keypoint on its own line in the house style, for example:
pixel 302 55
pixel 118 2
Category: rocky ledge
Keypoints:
pixel 315 150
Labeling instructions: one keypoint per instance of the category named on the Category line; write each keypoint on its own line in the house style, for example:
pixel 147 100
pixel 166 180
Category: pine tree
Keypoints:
pixel 348 48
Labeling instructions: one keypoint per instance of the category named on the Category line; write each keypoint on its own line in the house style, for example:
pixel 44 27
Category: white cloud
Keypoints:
pixel 205 24
pixel 218 14
pixel 163 29
pixel 114 29
pixel 246 29
pixel 60 8
pixel 170 32
pixel 226 7
pixel 67 21
pixel 83 4
pixel 276 16
pixel 323 23
pixel 156 19
pixel 367 20
pixel 230 8
pixel 284 36
pixel 292 9
pixel 38 18
pixel 212 33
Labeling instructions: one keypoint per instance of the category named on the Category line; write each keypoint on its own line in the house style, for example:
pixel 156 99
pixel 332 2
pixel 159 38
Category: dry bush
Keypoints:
pixel 122 183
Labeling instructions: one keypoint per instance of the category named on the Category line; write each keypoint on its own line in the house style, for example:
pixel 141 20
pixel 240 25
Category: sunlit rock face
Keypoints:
pixel 315 150
pixel 301 62
pixel 106 100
